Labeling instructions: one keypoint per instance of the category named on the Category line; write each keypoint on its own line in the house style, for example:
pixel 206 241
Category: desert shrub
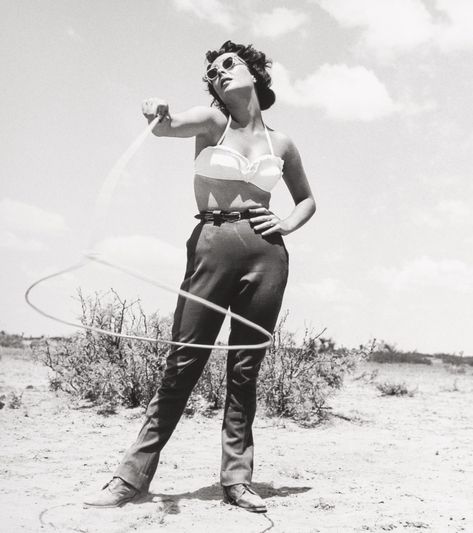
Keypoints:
pixel 455 369
pixel 389 388
pixel 9 340
pixel 14 400
pixel 387 353
pixel 103 369
pixel 457 360
pixel 367 376
pixel 453 388
pixel 209 393
pixel 297 378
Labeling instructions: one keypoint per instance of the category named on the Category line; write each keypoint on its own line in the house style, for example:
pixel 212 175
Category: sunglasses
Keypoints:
pixel 228 63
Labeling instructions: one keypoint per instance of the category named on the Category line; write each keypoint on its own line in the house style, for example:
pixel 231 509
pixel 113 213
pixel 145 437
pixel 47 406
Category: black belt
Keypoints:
pixel 223 216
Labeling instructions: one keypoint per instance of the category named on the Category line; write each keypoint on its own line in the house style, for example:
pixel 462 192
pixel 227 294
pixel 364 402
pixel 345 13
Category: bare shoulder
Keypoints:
pixel 213 116
pixel 283 145
pixel 215 122
pixel 208 113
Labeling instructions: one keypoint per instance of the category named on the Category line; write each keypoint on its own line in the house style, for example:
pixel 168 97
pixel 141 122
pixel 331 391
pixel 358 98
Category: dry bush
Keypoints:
pixel 388 353
pixel 453 388
pixel 297 379
pixel 8 340
pixel 103 369
pixel 367 376
pixel 14 400
pixel 390 388
pixel 209 393
pixel 455 360
pixel 455 369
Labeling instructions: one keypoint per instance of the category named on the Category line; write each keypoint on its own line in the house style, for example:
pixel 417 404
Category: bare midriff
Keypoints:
pixel 228 195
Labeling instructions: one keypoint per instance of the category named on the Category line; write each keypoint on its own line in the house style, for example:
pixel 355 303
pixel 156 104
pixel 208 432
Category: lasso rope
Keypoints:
pixel 92 255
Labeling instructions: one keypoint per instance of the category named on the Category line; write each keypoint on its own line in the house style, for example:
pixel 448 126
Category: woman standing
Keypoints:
pixel 236 258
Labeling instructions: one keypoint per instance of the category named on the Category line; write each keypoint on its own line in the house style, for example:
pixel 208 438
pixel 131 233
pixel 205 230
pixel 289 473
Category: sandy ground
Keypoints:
pixel 399 463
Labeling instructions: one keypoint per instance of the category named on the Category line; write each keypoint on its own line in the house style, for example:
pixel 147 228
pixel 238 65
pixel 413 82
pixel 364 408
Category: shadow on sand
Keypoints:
pixel 214 493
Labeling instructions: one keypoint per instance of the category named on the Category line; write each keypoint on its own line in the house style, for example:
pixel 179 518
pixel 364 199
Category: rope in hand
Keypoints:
pixel 91 255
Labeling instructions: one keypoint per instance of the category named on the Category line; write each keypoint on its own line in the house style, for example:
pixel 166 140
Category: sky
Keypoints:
pixel 375 94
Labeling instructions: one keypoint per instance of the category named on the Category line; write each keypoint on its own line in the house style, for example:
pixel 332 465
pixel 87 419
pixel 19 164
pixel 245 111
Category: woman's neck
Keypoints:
pixel 247 114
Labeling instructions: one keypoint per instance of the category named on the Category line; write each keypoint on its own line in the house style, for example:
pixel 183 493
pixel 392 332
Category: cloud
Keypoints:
pixel 30 219
pixel 279 21
pixel 445 212
pixel 344 93
pixel 150 258
pixel 213 11
pixel 142 250
pixel 421 272
pixel 386 25
pixel 67 280
pixel 454 209
pixel 73 35
pixel 391 27
pixel 455 33
pixel 330 290
pixel 300 248
pixel 12 242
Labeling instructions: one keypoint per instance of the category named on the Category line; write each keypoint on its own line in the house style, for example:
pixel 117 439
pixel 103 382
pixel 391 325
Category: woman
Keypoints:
pixel 235 258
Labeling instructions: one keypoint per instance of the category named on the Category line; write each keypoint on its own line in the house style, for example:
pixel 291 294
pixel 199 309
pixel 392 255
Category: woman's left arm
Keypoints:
pixel 296 180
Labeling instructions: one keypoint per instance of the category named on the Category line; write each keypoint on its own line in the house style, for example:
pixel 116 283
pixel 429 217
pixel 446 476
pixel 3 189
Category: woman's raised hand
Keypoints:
pixel 155 107
pixel 266 220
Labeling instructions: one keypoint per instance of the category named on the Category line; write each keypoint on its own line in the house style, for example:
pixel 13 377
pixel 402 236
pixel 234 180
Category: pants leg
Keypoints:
pixel 259 299
pixel 193 323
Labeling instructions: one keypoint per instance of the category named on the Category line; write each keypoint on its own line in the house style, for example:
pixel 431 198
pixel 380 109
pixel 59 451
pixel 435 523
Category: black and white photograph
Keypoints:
pixel 237 266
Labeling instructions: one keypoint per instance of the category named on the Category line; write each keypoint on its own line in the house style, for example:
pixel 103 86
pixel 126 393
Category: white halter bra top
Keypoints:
pixel 225 163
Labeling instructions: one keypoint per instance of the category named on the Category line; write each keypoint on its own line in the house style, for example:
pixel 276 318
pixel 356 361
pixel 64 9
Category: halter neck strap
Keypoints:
pixel 226 129
pixel 268 138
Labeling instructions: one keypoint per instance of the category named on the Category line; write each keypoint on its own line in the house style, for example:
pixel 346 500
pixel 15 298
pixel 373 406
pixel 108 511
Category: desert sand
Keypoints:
pixel 381 463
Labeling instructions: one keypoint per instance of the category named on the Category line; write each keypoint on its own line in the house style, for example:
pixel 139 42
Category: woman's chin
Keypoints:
pixel 227 86
pixel 234 87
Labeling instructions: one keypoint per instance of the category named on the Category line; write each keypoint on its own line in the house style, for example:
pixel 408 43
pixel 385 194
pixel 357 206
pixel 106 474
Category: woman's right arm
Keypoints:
pixel 198 120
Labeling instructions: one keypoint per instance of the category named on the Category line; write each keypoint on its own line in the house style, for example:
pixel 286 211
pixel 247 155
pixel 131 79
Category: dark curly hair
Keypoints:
pixel 257 64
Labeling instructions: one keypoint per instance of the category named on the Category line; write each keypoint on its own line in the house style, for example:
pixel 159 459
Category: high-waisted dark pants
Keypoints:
pixel 233 266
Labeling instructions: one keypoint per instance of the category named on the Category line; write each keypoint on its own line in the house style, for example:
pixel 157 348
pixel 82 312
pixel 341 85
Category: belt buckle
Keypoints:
pixel 224 216
pixel 236 215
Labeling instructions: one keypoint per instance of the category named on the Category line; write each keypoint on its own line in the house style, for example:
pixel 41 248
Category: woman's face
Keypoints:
pixel 230 77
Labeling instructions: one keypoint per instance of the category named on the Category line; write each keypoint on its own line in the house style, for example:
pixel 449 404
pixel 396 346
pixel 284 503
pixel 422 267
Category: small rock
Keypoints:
pixel 324 505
